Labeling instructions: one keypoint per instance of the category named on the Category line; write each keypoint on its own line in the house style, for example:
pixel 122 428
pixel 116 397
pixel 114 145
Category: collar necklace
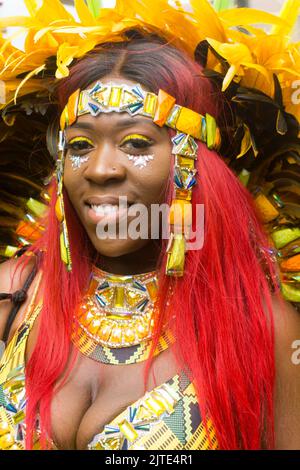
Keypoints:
pixel 114 322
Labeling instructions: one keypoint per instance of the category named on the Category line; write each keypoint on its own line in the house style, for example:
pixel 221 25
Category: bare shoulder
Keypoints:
pixel 12 278
pixel 287 385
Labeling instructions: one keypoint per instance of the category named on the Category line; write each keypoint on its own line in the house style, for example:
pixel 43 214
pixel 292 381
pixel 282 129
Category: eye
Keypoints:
pixel 136 142
pixel 80 144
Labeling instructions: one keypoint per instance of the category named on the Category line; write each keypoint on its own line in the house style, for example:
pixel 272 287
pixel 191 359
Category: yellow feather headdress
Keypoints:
pixel 257 71
pixel 252 54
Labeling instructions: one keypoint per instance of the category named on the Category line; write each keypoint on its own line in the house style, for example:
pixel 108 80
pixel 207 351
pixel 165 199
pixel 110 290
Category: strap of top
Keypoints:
pixel 14 355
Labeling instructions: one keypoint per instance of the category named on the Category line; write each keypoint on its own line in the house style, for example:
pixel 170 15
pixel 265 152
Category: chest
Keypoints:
pixel 97 399
pixel 95 394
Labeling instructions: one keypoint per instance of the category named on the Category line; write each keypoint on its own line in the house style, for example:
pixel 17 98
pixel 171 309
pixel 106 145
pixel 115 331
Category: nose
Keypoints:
pixel 105 165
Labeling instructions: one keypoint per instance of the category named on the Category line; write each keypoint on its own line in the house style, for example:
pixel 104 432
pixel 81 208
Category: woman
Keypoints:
pixel 134 345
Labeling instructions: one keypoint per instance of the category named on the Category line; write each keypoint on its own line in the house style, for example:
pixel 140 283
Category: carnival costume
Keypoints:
pixel 261 146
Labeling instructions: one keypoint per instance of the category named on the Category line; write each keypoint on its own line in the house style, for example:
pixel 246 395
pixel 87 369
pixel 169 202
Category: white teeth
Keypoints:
pixel 104 209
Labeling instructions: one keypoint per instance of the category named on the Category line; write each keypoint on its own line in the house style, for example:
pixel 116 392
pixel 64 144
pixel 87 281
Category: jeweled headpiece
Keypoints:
pixel 161 108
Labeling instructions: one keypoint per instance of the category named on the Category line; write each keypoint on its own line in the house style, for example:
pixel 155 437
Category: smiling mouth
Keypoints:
pixel 105 209
pixel 109 207
pixel 108 210
pixel 107 201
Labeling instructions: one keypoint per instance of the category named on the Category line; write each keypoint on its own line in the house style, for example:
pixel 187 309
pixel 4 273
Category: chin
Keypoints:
pixel 116 248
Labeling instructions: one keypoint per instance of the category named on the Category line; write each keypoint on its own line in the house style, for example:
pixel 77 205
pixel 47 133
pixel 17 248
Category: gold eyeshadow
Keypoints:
pixel 136 137
pixel 80 139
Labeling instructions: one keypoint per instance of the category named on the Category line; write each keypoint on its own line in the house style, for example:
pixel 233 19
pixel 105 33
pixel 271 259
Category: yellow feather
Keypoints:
pixel 84 13
pixel 16 62
pixel 208 20
pixel 44 31
pixel 39 56
pixel 28 87
pixel 235 54
pixel 293 72
pixel 123 7
pixel 255 31
pixel 9 59
pixel 78 30
pixel 161 17
pixel 32 6
pixel 28 76
pixel 259 69
pixel 246 142
pixel 51 10
pixel 15 21
pixel 250 16
pixel 289 13
pixel 231 73
pixel 65 55
pixel 7 44
pixel 252 60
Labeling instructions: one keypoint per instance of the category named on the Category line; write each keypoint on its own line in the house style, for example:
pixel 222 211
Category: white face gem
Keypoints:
pixel 140 160
pixel 77 161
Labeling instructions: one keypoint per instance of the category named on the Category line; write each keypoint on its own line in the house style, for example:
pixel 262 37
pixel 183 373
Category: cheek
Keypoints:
pixel 152 180
pixel 72 182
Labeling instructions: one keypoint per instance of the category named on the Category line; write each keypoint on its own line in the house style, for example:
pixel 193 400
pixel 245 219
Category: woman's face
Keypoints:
pixel 110 156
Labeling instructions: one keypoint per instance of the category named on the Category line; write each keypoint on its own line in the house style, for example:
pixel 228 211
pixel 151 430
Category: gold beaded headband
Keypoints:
pixel 163 110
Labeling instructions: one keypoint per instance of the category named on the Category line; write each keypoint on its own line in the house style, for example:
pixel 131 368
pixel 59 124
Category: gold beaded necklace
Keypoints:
pixel 114 323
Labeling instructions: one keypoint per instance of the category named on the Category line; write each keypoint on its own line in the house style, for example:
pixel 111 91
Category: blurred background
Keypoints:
pixel 10 7
pixel 16 7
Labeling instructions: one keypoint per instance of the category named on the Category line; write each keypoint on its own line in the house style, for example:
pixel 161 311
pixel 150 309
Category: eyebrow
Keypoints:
pixel 124 123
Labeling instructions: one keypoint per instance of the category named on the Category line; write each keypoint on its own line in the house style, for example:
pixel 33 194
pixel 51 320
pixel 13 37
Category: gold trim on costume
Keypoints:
pixel 114 323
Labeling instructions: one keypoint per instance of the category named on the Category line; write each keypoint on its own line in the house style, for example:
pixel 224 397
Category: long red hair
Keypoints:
pixel 223 330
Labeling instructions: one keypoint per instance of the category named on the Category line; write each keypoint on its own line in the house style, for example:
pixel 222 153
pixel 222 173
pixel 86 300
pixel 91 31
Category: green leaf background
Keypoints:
pixel 223 4
pixel 94 6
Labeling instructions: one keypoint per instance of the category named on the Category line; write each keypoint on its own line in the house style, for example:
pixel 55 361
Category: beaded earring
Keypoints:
pixel 180 216
pixel 65 252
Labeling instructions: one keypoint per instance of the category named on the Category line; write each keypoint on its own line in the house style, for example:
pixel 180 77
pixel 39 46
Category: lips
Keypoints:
pixel 107 200
pixel 106 209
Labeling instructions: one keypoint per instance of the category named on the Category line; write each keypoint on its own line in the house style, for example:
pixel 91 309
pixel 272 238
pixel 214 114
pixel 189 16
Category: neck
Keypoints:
pixel 138 262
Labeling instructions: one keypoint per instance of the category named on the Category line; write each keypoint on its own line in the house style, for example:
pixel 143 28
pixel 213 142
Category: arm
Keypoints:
pixel 287 386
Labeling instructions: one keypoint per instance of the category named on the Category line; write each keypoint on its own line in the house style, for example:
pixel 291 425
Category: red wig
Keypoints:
pixel 224 334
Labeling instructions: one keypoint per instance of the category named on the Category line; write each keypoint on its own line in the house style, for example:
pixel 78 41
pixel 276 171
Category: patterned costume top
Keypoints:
pixel 165 418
